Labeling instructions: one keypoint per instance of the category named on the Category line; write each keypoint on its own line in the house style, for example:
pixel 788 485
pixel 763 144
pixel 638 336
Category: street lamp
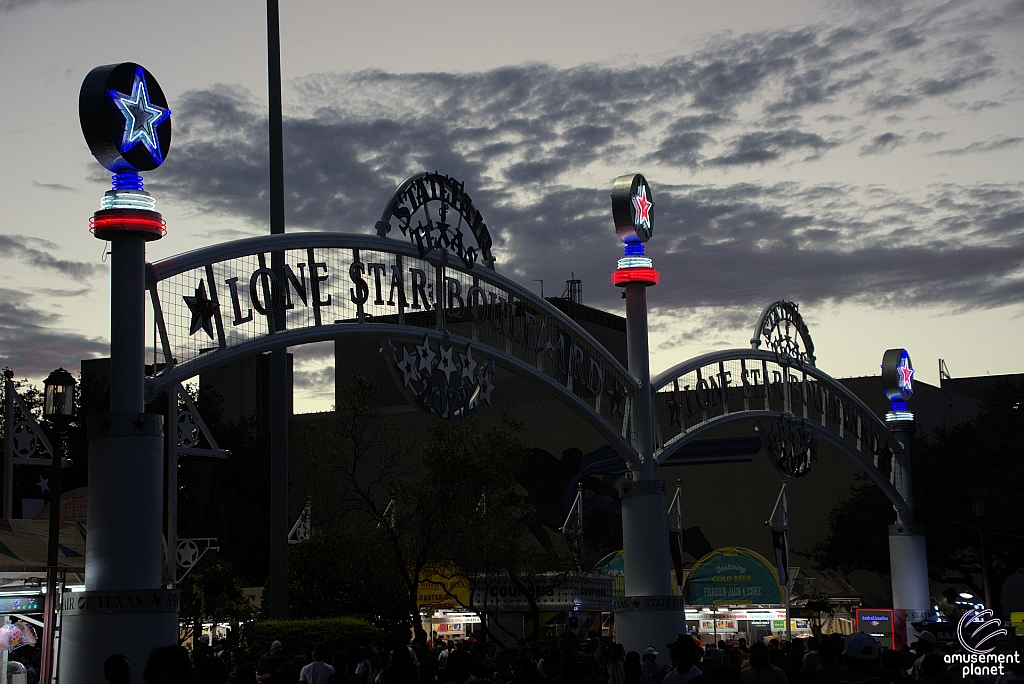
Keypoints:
pixel 59 409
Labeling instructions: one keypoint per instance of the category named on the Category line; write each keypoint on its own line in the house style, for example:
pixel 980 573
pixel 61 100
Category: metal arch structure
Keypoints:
pixel 216 304
pixel 782 328
pixel 739 385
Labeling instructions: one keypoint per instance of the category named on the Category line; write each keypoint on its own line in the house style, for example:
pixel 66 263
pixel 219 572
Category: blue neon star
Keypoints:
pixel 141 117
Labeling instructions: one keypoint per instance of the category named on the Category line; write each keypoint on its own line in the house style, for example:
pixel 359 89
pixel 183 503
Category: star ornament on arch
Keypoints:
pixel 202 311
pixel 141 117
pixel 642 208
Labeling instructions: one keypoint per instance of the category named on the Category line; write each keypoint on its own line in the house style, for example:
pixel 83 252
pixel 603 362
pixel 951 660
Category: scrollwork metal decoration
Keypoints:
pixel 790 445
pixel 781 326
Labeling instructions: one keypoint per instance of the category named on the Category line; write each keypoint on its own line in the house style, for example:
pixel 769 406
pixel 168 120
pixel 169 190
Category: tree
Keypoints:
pixel 210 593
pixel 347 572
pixel 977 462
pixel 447 505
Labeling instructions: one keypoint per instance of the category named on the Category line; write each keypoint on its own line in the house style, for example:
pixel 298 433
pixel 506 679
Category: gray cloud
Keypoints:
pixel 32 341
pixel 886 142
pixel 999 142
pixel 33 251
pixel 516 134
pixel 57 187
pixel 765 146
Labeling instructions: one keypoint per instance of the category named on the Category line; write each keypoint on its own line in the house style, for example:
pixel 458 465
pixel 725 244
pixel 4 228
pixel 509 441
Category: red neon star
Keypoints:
pixel 641 207
pixel 906 374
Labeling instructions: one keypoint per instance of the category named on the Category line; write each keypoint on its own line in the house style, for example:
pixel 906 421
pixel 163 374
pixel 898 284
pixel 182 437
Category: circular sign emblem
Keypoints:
pixel 633 208
pixel 897 375
pixel 125 118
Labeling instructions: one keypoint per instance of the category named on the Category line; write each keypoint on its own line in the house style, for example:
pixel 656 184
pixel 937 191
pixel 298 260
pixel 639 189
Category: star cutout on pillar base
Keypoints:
pixel 141 117
pixel 105 426
pixel 139 423
pixel 202 311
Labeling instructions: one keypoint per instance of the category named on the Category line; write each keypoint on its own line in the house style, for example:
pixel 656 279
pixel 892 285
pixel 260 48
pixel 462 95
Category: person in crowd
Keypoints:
pixel 365 669
pixel 571 672
pixel 288 673
pixel 760 670
pixel 242 671
pixel 777 657
pixel 889 668
pixel 829 669
pixel 428 669
pixel 617 665
pixel 683 653
pixel 810 661
pixel 552 664
pixel 523 670
pixel 926 643
pixel 167 665
pixel 460 667
pixel 400 669
pixel 117 669
pixel 270 662
pixel 542 669
pixel 633 669
pixel 860 653
pixel 317 671
pixel 653 673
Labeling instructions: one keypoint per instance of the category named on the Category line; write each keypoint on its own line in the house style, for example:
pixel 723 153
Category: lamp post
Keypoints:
pixel 59 409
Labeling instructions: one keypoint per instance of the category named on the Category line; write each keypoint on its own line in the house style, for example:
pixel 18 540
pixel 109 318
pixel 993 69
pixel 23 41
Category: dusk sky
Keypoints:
pixel 864 159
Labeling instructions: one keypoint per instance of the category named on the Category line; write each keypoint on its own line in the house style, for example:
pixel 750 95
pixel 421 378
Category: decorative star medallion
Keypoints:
pixel 904 375
pixel 426 355
pixel 141 117
pixel 408 366
pixel 43 484
pixel 447 365
pixel 642 209
pixel 202 311
pixel 468 364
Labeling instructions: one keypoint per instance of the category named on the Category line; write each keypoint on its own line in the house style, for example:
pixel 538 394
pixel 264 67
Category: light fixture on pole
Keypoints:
pixel 59 409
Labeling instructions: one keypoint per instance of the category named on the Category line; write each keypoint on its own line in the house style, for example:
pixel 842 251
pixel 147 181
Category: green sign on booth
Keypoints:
pixel 732 576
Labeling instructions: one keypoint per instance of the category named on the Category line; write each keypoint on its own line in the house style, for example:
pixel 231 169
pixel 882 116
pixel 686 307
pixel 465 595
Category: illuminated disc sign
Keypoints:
pixel 732 576
pixel 125 118
pixel 633 208
pixel 897 375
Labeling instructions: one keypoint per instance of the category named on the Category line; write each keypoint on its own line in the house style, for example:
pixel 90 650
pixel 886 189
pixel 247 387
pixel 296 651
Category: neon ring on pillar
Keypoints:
pixel 109 222
pixel 624 276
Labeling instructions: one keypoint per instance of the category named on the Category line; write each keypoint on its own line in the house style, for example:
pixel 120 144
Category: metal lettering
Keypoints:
pixel 397 283
pixel 274 298
pixel 377 269
pixel 236 306
pixel 297 283
pixel 472 294
pixel 361 292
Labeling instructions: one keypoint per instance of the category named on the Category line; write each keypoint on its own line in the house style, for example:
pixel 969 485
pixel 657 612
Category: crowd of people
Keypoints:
pixel 831 659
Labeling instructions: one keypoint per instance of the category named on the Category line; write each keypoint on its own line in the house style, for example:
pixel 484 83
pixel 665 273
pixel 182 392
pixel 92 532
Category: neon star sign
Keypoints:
pixel 141 117
pixel 125 119
pixel 905 374
pixel 642 209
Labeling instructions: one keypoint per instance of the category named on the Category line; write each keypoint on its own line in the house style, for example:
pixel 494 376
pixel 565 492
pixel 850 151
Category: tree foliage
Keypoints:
pixel 347 572
pixel 210 593
pixel 977 462
pixel 451 507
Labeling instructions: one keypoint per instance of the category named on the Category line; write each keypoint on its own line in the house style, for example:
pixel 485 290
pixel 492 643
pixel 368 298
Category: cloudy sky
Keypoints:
pixel 863 158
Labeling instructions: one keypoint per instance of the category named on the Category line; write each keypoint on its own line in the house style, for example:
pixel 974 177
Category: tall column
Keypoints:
pixel 908 556
pixel 123 609
pixel 648 615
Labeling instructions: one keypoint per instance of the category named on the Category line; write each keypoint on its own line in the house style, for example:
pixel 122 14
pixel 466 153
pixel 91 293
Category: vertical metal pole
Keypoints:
pixel 128 324
pixel 278 357
pixel 8 443
pixel 907 549
pixel 638 354
pixel 171 561
pixel 49 601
